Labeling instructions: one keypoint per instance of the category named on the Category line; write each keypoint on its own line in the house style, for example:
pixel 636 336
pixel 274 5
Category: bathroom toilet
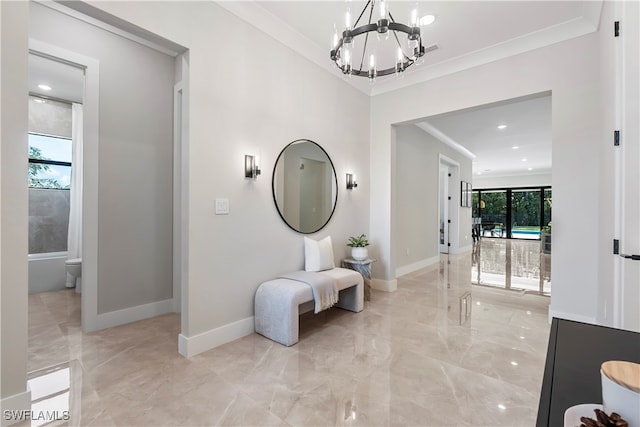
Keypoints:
pixel 74 273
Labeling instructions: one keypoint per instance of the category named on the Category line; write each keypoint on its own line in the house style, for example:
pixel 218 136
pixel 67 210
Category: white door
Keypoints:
pixel 443 217
pixel 628 316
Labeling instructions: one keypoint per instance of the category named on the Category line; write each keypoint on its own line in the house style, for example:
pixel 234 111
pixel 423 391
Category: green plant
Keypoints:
pixel 358 242
pixel 547 229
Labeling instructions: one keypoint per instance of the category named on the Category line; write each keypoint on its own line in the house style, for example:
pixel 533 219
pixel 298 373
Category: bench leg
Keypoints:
pixel 276 317
pixel 352 298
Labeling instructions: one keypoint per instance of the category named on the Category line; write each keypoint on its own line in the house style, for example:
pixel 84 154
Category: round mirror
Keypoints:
pixel 305 187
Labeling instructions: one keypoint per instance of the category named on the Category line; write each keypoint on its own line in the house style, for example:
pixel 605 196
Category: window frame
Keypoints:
pixel 46 161
pixel 508 191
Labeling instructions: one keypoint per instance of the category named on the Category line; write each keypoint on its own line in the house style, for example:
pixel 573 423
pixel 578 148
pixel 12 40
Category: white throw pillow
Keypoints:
pixel 318 255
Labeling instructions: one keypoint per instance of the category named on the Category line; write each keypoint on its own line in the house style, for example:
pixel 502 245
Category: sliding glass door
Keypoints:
pixel 493 213
pixel 516 213
pixel 525 214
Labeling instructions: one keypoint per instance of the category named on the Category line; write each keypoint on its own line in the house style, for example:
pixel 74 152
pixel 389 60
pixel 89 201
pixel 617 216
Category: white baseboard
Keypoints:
pixel 133 314
pixel 384 285
pixel 410 268
pixel 571 316
pixel 15 408
pixel 464 249
pixel 190 346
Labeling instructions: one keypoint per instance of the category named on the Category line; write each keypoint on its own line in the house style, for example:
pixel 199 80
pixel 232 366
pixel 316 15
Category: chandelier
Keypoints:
pixel 385 28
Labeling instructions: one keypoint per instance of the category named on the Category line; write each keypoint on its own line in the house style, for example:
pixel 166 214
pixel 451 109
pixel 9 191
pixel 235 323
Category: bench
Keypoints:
pixel 279 302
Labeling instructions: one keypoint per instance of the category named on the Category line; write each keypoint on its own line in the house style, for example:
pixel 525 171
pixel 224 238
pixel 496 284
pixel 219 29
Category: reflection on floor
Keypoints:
pixel 435 352
pixel 511 264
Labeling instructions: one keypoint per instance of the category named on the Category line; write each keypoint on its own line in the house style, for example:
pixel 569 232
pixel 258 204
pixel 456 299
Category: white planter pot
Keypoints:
pixel 359 254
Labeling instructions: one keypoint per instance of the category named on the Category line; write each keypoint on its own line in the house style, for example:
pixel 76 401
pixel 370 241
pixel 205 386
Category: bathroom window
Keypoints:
pixel 49 161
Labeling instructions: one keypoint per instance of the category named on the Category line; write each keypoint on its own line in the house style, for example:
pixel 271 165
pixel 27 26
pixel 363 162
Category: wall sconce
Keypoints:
pixel 251 167
pixel 351 181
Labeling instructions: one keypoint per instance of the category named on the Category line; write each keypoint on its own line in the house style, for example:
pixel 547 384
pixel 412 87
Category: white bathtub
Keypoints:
pixel 47 272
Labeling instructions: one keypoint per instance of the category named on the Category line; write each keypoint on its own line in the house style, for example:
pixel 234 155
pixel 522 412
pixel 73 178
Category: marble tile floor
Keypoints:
pixel 412 357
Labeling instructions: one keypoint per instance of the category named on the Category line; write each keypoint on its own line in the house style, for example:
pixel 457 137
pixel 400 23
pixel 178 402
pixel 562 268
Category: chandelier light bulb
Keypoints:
pixel 342 52
pixel 372 68
pixel 347 62
pixel 399 61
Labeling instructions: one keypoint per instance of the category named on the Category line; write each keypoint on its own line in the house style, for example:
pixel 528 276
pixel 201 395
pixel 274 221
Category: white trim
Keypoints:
pixel 20 402
pixel 418 265
pixel 133 314
pixel 571 316
pixel 464 249
pixel 454 203
pixel 265 21
pixel 190 346
pixel 178 90
pixel 107 27
pixel 273 26
pixel 538 39
pixel 384 285
pixel 445 139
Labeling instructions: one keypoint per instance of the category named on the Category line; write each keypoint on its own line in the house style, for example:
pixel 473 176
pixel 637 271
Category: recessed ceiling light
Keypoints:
pixel 514 363
pixel 44 87
pixel 427 20
pixel 502 127
pixel 515 147
pixel 530 169
pixel 524 160
pixel 502 407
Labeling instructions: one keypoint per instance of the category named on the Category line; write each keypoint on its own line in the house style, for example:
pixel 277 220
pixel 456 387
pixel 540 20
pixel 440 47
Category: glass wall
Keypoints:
pixel 516 213
pixel 525 214
pixel 493 213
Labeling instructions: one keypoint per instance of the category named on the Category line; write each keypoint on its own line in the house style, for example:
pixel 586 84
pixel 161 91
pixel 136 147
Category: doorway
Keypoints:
pixel 133 151
pixel 447 205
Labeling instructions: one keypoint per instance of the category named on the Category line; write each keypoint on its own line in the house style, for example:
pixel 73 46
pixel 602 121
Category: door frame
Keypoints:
pixel 453 205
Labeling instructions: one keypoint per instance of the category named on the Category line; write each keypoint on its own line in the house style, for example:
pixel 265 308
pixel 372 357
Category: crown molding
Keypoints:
pixel 445 139
pixel 260 18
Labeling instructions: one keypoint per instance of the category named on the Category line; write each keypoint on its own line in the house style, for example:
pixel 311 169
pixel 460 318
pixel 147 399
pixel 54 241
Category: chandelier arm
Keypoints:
pixel 395 34
pixel 362 13
pixel 366 38
pixel 364 50
pixel 391 17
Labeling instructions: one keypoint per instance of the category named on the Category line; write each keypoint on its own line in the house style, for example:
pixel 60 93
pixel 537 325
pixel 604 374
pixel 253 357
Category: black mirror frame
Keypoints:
pixel 273 189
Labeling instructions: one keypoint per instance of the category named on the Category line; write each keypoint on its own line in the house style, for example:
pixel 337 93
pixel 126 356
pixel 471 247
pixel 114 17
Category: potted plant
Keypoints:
pixel 358 247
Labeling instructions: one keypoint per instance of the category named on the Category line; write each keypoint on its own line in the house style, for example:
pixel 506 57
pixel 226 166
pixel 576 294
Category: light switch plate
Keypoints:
pixel 222 206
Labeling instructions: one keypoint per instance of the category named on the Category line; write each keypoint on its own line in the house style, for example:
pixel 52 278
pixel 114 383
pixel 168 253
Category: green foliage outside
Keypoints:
pixel 36 168
pixel 525 208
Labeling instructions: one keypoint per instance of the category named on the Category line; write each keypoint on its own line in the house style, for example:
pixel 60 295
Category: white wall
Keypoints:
pixel 571 71
pixel 536 180
pixel 248 104
pixel 135 159
pixel 417 196
pixel 13 206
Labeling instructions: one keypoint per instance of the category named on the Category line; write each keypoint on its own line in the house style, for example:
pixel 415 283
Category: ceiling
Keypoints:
pixel 467 33
pixel 66 81
pixel 523 147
